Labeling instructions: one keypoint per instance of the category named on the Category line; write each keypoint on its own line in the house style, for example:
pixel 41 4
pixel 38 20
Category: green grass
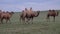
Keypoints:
pixel 39 26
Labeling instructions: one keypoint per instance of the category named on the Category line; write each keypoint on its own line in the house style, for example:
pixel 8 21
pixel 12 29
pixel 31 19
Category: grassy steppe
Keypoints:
pixel 39 26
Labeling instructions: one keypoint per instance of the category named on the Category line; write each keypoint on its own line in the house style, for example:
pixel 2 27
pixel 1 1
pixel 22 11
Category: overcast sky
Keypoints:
pixel 18 5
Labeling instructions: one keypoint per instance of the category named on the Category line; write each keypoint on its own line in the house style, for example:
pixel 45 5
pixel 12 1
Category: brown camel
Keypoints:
pixel 24 12
pixel 52 13
pixel 6 16
pixel 34 14
pixel 22 16
pixel 29 16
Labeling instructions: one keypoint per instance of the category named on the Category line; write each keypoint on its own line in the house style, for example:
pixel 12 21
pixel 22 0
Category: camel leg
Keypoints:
pixel 48 18
pixel 20 19
pixel 53 18
pixel 2 21
pixel 28 19
pixel 10 21
pixel 23 19
pixel 6 20
pixel 32 20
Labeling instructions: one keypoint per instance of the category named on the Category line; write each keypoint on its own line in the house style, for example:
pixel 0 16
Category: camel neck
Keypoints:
pixel 37 14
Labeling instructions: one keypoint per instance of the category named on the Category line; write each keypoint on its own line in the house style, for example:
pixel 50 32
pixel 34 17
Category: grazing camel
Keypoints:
pixel 29 15
pixel 6 16
pixel 52 13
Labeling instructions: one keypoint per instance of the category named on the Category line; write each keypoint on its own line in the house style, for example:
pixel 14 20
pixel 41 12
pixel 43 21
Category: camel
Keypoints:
pixel 6 16
pixel 52 13
pixel 22 16
pixel 31 16
pixel 28 15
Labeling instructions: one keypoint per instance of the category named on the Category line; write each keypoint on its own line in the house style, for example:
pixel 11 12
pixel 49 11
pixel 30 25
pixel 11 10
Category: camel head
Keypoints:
pixel 11 13
pixel 37 13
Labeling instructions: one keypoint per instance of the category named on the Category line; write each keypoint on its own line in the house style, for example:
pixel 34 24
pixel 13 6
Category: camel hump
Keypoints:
pixel 50 10
pixel 31 8
pixel 26 9
pixel 0 10
pixel 53 10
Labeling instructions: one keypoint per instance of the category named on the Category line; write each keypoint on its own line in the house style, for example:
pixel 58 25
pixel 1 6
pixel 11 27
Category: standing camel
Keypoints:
pixel 52 13
pixel 29 15
pixel 6 16
pixel 22 16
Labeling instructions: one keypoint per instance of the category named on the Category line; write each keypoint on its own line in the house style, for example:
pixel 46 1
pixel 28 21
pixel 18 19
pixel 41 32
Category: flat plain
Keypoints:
pixel 39 26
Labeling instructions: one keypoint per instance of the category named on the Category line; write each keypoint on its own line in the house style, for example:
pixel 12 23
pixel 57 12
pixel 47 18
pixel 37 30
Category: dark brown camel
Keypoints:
pixel 6 16
pixel 52 13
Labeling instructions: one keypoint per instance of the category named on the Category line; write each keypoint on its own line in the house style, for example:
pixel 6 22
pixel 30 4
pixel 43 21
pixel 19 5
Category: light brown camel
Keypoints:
pixel 22 16
pixel 52 13
pixel 29 16
pixel 24 12
pixel 6 16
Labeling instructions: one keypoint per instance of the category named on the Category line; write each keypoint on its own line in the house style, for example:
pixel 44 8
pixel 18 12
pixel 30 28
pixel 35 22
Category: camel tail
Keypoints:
pixel 47 17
